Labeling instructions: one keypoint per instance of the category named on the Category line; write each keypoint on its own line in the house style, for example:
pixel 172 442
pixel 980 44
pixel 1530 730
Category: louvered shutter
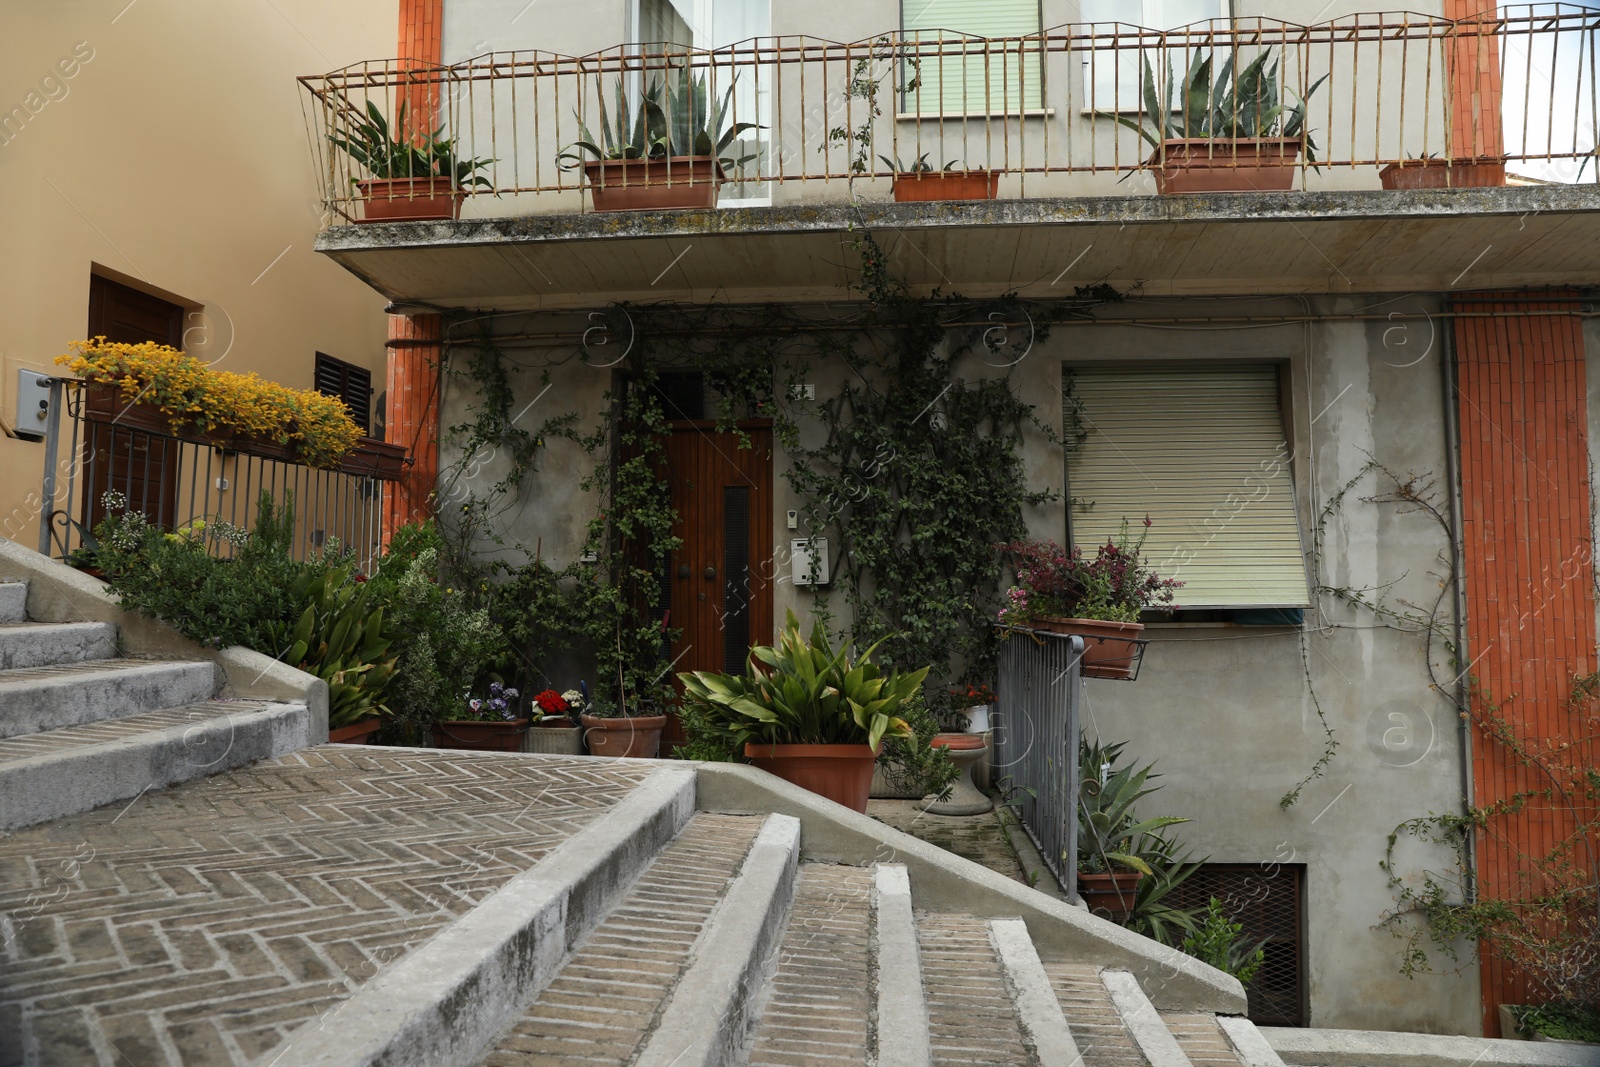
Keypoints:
pixel 348 382
pixel 1004 81
pixel 1201 452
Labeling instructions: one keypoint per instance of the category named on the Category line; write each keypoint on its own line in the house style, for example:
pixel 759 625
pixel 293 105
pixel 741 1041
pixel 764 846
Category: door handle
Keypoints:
pixel 683 570
pixel 711 573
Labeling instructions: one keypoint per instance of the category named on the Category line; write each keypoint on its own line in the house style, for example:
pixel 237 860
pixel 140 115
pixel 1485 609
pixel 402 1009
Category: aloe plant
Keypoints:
pixel 1108 830
pixel 1249 105
pixel 387 154
pixel 677 117
pixel 802 692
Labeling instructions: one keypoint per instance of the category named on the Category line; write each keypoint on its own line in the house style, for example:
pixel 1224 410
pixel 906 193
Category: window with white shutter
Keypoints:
pixel 974 78
pixel 1202 452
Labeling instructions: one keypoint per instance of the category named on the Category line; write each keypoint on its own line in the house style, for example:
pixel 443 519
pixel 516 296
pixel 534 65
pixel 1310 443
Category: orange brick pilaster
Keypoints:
pixel 415 357
pixel 1475 81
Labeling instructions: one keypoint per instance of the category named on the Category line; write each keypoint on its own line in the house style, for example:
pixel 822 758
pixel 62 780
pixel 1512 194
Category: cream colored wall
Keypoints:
pixel 174 156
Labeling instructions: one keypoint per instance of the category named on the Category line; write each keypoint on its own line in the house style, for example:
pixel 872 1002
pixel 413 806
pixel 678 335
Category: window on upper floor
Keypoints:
pixel 348 382
pixel 960 72
pixel 1202 452
pixel 1112 81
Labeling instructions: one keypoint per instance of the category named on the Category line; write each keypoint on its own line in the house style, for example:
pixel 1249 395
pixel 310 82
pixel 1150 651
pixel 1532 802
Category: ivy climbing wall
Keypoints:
pixel 1529 572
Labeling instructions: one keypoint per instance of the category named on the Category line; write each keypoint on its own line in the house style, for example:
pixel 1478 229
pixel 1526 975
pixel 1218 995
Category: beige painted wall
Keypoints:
pixel 175 157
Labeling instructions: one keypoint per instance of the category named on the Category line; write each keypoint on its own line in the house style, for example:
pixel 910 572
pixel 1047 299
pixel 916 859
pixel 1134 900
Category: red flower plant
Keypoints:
pixel 551 703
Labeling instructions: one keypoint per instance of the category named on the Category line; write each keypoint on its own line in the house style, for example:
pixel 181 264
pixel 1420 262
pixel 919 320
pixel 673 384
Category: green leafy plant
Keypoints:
pixel 1152 914
pixel 676 116
pixel 921 166
pixel 1108 830
pixel 1219 941
pixel 386 153
pixel 866 81
pixel 1563 1022
pixel 808 694
pixel 1249 105
pixel 911 764
pixel 340 638
pixel 1115 585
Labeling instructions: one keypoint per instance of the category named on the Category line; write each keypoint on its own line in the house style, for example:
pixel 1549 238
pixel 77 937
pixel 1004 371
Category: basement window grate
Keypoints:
pixel 1268 899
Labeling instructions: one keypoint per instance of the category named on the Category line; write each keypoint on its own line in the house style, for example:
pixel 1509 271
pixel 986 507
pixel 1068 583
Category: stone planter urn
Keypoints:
pixel 964 799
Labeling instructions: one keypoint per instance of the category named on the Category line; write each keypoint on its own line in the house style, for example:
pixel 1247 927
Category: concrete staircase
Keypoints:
pixel 82 726
pixel 188 876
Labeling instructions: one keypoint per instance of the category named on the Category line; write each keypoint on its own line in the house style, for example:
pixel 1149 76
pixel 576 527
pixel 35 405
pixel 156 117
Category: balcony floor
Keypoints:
pixel 1266 243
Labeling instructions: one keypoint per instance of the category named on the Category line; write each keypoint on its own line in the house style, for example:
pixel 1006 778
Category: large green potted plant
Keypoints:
pixel 1098 599
pixel 807 712
pixel 1110 836
pixel 411 177
pixel 1235 135
pixel 341 638
pixel 668 152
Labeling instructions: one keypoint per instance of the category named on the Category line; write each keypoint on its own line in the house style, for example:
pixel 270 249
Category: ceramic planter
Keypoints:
pixel 1225 164
pixel 977 719
pixel 480 736
pixel 1108 648
pixel 1110 894
pixel 639 737
pixel 409 199
pixel 842 773
pixel 925 185
pixel 653 184
pixel 554 740
pixel 1443 174
pixel 357 733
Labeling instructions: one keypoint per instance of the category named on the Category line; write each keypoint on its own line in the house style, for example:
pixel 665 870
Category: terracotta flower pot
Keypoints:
pixel 652 184
pixel 842 773
pixel 1110 894
pixel 639 737
pixel 357 733
pixel 375 459
pixel 922 186
pixel 409 199
pixel 1225 164
pixel 1108 648
pixel 480 736
pixel 1443 174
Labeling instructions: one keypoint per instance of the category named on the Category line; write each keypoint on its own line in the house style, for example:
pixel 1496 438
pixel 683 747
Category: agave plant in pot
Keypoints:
pixel 1098 599
pixel 410 177
pixel 807 712
pixel 1236 135
pixel 1110 836
pixel 671 151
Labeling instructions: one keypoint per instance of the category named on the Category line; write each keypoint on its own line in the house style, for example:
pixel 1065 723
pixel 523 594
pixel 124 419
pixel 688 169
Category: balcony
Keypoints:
pixel 1395 135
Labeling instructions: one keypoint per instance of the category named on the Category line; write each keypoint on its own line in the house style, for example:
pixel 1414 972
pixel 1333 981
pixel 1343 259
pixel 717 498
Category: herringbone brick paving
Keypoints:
pixel 972 1014
pixel 96 733
pixel 610 994
pixel 1104 1040
pixel 204 923
pixel 817 1012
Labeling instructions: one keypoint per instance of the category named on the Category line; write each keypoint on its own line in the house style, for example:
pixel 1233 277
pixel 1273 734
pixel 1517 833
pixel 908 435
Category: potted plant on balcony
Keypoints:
pixel 1437 172
pixel 1097 599
pixel 921 182
pixel 808 712
pixel 412 177
pixel 488 724
pixel 669 152
pixel 556 731
pixel 1110 836
pixel 1232 136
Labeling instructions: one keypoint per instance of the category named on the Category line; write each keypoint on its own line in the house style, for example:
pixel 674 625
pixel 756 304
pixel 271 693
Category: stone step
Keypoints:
pixel 13 602
pixel 819 999
pixel 1156 1043
pixel 972 1014
pixel 610 994
pixel 44 644
pixel 37 699
pixel 74 769
pixel 1043 1021
pixel 1102 1036
pixel 1202 1039
pixel 904 1036
pixel 283 911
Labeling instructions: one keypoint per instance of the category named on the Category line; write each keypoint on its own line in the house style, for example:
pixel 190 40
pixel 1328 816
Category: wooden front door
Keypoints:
pixel 719 582
pixel 142 466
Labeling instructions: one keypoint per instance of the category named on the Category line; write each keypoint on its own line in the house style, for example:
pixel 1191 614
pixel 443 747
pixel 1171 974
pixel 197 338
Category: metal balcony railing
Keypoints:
pixel 176 480
pixel 817 118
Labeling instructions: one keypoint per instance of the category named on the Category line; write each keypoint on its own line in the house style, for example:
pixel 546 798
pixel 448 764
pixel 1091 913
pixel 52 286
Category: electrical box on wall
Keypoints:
pixel 810 556
pixel 33 403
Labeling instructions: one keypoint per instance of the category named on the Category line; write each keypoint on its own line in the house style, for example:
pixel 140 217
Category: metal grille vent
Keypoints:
pixel 1268 900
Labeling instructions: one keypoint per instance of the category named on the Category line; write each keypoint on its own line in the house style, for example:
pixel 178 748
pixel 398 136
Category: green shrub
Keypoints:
pixel 1564 1022
pixel 340 637
pixel 912 764
pixel 1219 941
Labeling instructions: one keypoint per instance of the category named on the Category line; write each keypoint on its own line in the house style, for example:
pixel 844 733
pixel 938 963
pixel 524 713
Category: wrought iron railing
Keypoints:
pixel 1041 111
pixel 176 480
pixel 1036 742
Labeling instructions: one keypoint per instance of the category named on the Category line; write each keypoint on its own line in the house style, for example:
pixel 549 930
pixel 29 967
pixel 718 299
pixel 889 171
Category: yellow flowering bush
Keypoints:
pixel 192 395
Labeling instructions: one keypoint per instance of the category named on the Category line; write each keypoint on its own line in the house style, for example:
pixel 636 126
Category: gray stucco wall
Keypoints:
pixel 1229 712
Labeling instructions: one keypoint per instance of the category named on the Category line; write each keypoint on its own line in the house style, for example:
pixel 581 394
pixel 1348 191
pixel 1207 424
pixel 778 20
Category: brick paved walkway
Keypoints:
pixel 978 838
pixel 202 923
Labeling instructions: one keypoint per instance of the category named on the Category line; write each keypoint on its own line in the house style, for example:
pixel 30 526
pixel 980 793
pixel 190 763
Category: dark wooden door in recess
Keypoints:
pixel 719 582
pixel 141 466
